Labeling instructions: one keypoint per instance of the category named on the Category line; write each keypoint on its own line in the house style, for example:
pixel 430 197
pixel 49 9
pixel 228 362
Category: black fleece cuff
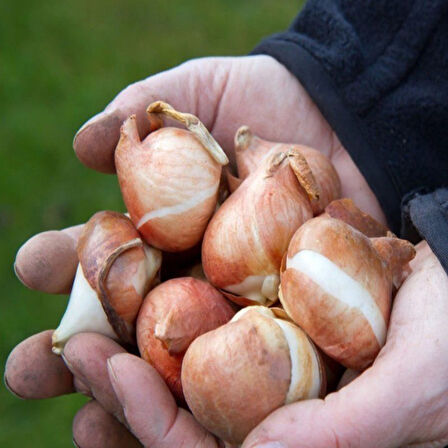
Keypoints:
pixel 429 215
pixel 347 126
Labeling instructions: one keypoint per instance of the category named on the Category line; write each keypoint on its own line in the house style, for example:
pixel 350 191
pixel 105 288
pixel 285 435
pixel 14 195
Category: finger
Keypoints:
pixel 93 427
pixel 150 409
pixel 86 356
pixel 74 232
pixel 33 371
pixel 47 262
pixel 95 142
pixel 361 414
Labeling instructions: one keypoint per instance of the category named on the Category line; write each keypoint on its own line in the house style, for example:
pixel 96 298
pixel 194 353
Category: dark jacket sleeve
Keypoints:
pixel 378 71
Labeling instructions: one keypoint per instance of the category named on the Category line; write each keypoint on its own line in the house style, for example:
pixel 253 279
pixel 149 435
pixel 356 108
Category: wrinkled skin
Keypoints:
pixel 401 400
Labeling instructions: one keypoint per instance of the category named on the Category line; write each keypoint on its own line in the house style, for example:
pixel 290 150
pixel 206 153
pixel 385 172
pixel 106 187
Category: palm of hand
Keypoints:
pixel 226 93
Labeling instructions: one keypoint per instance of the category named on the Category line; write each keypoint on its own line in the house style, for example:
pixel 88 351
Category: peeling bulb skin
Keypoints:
pixel 396 255
pixel 277 364
pixel 245 240
pixel 345 210
pixel 257 289
pixel 169 181
pixel 84 313
pixel 116 270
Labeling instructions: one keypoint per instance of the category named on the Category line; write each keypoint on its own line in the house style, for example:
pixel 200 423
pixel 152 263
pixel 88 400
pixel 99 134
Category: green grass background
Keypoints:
pixel 60 63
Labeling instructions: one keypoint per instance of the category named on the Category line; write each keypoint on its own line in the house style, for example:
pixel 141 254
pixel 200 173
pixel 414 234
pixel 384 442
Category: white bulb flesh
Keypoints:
pixel 147 269
pixel 297 371
pixel 259 288
pixel 84 313
pixel 338 284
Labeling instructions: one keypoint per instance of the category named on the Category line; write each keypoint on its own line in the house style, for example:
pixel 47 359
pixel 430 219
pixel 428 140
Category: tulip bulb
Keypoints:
pixel 247 237
pixel 170 180
pixel 338 288
pixel 172 316
pixel 235 376
pixel 250 150
pixel 115 271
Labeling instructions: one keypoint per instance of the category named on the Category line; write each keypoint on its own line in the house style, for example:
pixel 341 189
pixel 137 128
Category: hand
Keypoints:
pixel 402 400
pixel 225 93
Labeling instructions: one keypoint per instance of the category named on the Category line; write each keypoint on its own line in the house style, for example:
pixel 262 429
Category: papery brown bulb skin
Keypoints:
pixel 236 375
pixel 172 316
pixel 169 184
pixel 345 210
pixel 396 254
pixel 250 150
pixel 337 288
pixel 247 237
pixel 126 281
pixel 326 177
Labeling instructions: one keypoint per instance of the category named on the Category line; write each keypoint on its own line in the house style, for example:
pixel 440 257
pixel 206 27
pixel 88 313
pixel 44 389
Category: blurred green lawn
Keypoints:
pixel 61 62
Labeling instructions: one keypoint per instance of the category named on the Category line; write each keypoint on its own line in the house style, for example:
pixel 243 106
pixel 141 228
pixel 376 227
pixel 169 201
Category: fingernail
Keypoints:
pixel 120 415
pixel 113 377
pixel 67 362
pixel 74 371
pixel 74 443
pixel 101 116
pixel 89 122
pixel 5 379
pixel 82 387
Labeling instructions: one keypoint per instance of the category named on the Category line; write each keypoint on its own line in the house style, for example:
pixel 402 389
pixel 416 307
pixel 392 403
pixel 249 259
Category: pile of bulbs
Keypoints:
pixel 293 281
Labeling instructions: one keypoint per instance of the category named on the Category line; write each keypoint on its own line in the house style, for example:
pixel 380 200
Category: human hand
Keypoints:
pixel 402 400
pixel 225 93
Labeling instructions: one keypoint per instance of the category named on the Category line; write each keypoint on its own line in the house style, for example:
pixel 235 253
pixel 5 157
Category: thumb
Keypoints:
pixel 183 87
pixel 361 414
pixel 150 409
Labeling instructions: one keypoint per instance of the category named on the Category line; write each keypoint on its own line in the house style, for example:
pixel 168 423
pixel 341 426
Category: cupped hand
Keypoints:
pixel 402 400
pixel 226 93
